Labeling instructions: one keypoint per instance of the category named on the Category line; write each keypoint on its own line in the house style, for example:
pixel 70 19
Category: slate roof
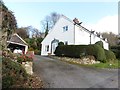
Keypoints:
pixel 15 38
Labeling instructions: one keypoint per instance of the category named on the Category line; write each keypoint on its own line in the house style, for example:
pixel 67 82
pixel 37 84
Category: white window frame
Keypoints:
pixel 65 28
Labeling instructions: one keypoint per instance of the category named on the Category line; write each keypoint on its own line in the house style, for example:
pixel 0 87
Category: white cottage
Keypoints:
pixel 71 33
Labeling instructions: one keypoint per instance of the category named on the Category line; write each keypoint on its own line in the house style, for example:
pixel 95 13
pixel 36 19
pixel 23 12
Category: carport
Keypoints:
pixel 16 42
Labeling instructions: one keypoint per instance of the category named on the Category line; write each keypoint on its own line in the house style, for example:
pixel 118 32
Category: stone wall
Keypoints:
pixel 28 67
pixel 84 60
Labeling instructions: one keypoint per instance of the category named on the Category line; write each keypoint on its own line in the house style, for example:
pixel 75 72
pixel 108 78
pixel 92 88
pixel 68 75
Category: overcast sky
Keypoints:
pixel 98 16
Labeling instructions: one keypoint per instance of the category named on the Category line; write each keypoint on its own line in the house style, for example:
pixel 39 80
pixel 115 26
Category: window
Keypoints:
pixel 65 28
pixel 66 42
pixel 47 48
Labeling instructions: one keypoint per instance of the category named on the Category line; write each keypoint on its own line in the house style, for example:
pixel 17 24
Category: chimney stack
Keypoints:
pixel 76 21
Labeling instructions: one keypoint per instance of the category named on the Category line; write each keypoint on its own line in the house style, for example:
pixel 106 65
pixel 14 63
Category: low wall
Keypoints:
pixel 28 67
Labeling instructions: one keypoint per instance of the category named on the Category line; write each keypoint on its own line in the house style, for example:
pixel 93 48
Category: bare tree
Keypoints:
pixel 34 32
pixel 23 32
pixel 112 38
pixel 54 17
pixel 46 31
pixel 50 21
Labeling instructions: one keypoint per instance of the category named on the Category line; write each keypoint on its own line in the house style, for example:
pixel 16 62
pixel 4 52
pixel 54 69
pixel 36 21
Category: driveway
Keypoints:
pixel 59 74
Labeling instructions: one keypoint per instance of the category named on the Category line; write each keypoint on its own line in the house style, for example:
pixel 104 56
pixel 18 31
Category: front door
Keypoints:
pixel 54 44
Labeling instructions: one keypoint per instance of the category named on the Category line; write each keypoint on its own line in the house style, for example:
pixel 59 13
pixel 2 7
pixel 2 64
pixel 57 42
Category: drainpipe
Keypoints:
pixel 90 38
pixel 74 33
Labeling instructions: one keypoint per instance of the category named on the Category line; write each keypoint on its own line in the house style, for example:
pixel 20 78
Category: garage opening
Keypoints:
pixel 12 47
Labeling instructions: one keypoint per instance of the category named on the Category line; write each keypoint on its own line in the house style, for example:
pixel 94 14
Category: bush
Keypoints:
pixel 12 72
pixel 31 49
pixel 110 55
pixel 100 43
pixel 77 51
pixel 24 58
pixel 37 52
pixel 116 50
pixel 99 53
pixel 60 43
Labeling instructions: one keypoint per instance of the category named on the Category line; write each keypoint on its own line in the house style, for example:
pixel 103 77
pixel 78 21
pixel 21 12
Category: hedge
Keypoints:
pixel 77 51
pixel 99 53
pixel 60 43
pixel 100 43
pixel 116 50
pixel 110 55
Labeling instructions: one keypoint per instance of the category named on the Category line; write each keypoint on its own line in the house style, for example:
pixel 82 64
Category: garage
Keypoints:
pixel 17 43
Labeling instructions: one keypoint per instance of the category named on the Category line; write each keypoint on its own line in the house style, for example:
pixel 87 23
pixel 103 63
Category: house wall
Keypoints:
pixel 58 33
pixel 82 37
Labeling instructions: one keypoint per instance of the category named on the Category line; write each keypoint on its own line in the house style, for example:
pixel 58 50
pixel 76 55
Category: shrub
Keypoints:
pixel 110 55
pixel 116 50
pixel 12 72
pixel 11 55
pixel 60 43
pixel 58 52
pixel 99 53
pixel 31 49
pixel 100 43
pixel 78 51
pixel 37 52
pixel 23 58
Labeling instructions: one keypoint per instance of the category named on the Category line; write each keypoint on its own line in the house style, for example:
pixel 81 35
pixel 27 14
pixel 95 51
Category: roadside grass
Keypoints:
pixel 110 64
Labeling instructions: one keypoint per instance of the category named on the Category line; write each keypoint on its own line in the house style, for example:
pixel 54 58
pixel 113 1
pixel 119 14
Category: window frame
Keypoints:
pixel 65 28
pixel 47 48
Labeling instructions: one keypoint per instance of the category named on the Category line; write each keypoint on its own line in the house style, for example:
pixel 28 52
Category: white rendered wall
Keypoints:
pixel 82 37
pixel 58 33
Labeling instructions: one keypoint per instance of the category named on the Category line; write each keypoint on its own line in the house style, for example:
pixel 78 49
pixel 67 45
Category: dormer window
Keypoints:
pixel 65 28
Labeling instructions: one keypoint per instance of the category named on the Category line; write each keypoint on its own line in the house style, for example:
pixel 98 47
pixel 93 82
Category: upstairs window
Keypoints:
pixel 65 28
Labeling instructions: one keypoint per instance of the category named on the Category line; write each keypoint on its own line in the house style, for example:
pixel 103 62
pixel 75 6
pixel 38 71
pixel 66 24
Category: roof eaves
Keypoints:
pixel 20 38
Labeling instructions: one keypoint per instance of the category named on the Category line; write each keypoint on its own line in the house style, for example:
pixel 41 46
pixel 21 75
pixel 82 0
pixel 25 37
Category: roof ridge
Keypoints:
pixel 67 18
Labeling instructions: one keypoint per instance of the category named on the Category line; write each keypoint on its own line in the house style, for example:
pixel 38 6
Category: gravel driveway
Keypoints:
pixel 58 74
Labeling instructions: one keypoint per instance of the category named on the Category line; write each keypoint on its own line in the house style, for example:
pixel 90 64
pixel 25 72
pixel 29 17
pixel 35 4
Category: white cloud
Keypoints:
pixel 106 24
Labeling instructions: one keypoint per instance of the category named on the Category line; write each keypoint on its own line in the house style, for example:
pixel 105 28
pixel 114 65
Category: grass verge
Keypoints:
pixel 113 64
pixel 108 65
